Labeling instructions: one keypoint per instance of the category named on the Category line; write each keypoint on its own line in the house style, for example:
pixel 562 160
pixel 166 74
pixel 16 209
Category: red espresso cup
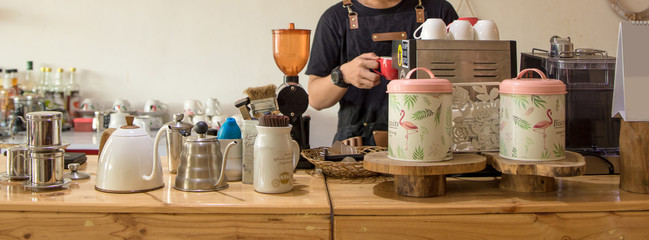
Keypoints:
pixel 472 20
pixel 385 68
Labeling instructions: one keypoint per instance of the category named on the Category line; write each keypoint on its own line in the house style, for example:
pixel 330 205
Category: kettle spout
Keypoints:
pixel 225 157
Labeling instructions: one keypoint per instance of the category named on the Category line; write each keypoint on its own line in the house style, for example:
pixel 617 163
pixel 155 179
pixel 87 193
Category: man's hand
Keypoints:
pixel 357 72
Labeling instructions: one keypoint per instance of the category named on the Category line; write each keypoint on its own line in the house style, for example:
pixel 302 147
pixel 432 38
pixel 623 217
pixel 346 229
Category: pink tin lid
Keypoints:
pixel 536 86
pixel 432 85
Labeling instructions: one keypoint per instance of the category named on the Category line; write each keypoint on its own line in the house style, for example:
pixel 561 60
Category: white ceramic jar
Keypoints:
pixel 276 156
pixel 532 118
pixel 419 119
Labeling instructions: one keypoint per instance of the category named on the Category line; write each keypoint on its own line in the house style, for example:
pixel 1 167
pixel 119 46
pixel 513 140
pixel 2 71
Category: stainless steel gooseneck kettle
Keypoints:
pixel 202 167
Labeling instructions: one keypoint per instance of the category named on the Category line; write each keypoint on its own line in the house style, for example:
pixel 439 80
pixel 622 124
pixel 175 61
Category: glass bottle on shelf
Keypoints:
pixel 29 84
pixel 8 92
pixel 17 88
pixel 58 89
pixel 48 88
pixel 72 91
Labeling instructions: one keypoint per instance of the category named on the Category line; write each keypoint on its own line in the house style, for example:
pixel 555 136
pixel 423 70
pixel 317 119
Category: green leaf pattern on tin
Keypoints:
pixel 520 101
pixel 559 150
pixel 421 114
pixel 545 154
pixel 427 101
pixel 418 154
pixel 449 118
pixel 503 148
pixel 400 152
pixel 522 123
pixel 528 142
pixel 394 102
pixel 410 100
pixel 538 101
pixel 514 152
pixel 424 132
pixel 438 114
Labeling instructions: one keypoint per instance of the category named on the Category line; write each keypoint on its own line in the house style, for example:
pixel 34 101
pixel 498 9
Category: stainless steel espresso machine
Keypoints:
pixel 458 61
pixel 589 76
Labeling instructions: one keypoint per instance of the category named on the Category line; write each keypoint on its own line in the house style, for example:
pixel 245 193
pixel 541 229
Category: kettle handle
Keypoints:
pixel 156 160
pixel 296 154
pixel 104 138
pixel 225 157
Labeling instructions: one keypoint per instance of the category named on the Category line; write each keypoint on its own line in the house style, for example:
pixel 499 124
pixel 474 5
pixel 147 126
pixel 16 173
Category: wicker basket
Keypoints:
pixel 340 169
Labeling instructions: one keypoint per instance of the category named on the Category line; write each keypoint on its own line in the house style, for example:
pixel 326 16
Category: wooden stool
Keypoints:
pixel 422 179
pixel 535 176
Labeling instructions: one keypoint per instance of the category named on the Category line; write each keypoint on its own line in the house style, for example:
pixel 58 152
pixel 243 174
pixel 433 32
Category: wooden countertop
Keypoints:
pixel 309 196
pixel 376 197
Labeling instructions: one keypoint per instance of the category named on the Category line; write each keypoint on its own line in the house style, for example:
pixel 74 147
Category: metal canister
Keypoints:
pixel 532 118
pixel 420 109
pixel 99 121
pixel 47 168
pixel 44 129
pixel 18 165
pixel 561 47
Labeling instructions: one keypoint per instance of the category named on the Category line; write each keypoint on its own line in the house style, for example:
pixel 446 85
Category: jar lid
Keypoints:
pixel 432 85
pixel 42 115
pixel 536 86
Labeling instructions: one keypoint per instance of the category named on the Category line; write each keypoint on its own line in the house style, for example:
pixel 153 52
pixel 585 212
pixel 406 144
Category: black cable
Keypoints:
pixel 611 167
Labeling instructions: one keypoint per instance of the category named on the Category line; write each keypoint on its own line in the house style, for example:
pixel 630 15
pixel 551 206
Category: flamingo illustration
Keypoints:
pixel 542 125
pixel 408 126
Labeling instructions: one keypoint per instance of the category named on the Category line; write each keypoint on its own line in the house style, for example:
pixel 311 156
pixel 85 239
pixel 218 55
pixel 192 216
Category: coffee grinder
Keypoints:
pixel 291 52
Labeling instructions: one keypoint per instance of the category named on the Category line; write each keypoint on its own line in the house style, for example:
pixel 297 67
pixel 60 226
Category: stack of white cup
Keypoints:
pixel 435 28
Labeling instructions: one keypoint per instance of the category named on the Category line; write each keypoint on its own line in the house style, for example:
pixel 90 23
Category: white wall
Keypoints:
pixel 175 50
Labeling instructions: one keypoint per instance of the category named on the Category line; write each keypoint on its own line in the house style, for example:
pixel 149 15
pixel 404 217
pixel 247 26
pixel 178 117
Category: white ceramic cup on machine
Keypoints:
pixel 432 28
pixel 486 30
pixel 460 30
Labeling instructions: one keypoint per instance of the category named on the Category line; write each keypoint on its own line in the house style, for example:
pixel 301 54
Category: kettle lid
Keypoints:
pixel 179 124
pixel 201 129
pixel 130 130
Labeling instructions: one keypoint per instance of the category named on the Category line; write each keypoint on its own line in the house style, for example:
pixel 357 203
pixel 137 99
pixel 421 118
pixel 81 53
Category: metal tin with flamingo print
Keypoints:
pixel 419 119
pixel 532 118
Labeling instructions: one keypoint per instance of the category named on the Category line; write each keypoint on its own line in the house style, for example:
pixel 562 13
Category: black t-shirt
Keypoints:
pixel 365 110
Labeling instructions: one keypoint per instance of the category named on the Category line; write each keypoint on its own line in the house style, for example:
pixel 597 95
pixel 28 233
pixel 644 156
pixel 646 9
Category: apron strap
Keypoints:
pixel 389 36
pixel 353 17
pixel 421 14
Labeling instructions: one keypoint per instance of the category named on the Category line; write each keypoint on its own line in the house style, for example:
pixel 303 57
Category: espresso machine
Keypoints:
pixel 291 52
pixel 589 76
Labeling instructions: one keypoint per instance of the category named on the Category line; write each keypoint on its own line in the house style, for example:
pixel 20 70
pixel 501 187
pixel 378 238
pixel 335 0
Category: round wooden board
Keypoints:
pixel 461 163
pixel 573 165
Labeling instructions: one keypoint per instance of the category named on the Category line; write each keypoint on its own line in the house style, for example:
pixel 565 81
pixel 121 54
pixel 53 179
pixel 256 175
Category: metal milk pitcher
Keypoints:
pixel 202 167
pixel 176 131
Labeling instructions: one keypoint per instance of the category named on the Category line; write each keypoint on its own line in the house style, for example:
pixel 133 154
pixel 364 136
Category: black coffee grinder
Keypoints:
pixel 291 52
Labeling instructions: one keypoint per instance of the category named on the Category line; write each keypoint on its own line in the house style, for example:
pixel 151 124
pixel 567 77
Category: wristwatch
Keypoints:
pixel 337 78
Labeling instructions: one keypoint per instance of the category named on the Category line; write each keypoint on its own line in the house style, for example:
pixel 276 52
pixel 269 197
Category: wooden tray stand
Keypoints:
pixel 419 179
pixel 535 176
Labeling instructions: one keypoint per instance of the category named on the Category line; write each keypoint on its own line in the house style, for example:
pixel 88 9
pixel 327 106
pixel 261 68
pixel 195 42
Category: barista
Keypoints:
pixel 348 41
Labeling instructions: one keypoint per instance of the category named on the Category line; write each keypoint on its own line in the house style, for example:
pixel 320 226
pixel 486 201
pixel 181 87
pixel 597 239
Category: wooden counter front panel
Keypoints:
pixel 51 225
pixel 565 226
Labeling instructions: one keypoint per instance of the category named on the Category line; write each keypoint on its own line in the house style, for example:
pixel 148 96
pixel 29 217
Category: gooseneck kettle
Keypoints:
pixel 202 166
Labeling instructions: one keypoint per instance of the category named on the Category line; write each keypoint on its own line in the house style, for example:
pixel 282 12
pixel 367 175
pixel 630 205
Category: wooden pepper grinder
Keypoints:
pixel 634 157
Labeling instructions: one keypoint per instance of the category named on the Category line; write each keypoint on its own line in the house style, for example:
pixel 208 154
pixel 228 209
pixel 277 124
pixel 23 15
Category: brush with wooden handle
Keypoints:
pixel 262 100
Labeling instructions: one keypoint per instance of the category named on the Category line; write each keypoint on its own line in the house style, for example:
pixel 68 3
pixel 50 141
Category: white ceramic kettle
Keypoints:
pixel 128 160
